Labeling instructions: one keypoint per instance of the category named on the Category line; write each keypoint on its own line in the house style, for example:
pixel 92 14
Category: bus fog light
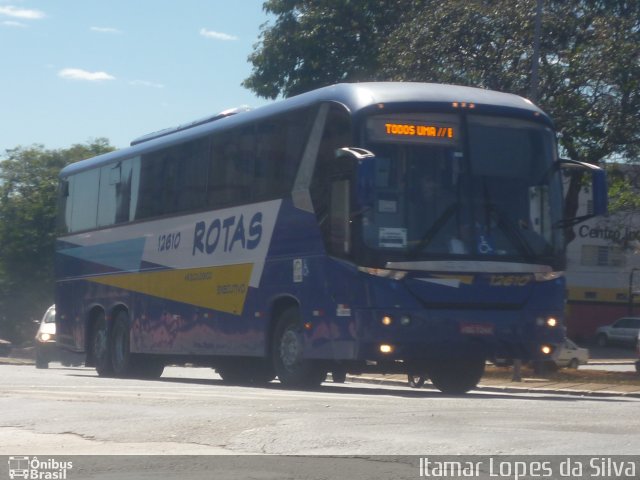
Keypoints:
pixel 384 348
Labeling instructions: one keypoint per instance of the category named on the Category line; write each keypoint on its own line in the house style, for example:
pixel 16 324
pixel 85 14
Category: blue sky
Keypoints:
pixel 75 70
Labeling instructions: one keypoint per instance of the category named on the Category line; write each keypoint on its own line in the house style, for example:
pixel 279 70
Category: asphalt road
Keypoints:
pixel 189 411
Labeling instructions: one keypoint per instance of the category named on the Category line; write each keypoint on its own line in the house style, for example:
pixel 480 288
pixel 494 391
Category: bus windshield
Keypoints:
pixel 456 186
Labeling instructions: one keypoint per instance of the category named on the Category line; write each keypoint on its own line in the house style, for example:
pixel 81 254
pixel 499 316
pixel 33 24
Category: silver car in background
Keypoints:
pixel 638 350
pixel 624 331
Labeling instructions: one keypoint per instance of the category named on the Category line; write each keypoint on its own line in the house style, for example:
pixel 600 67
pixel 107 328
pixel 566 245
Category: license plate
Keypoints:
pixel 476 328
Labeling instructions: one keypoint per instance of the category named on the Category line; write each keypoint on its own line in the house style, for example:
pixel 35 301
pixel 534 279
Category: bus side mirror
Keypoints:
pixel 599 193
pixel 365 173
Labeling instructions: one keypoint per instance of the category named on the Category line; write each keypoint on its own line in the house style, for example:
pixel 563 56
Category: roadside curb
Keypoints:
pixel 504 388
pixel 390 381
pixel 16 361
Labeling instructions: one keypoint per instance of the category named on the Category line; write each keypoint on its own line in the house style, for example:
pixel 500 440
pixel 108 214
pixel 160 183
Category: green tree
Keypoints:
pixel 28 195
pixel 318 43
pixel 589 62
pixel 589 65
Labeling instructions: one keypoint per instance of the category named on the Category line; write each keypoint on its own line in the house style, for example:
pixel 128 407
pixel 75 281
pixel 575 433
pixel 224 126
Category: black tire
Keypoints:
pixel 289 364
pixel 339 375
pixel 120 353
pixel 602 340
pixel 458 375
pixel 416 380
pixel 246 372
pixel 41 360
pixel 574 363
pixel 146 368
pixel 100 347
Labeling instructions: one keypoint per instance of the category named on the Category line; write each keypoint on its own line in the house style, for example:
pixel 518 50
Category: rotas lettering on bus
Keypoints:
pixel 227 234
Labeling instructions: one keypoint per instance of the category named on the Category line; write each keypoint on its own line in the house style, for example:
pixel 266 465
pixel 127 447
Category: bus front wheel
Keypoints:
pixel 146 368
pixel 457 376
pixel 245 371
pixel 292 369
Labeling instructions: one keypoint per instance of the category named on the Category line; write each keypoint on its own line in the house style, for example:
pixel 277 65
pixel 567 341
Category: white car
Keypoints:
pixel 46 348
pixel 570 355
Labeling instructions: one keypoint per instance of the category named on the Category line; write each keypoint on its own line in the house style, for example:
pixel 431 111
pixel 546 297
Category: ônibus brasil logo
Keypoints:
pixel 31 468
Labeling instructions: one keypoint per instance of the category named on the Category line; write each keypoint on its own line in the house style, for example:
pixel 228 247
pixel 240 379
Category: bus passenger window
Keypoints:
pixel 84 197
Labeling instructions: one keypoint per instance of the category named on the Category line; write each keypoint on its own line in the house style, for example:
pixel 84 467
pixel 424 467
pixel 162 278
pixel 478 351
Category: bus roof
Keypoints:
pixel 354 96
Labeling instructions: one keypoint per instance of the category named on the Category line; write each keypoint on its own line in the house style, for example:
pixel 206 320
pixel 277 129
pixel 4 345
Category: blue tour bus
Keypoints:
pixel 387 227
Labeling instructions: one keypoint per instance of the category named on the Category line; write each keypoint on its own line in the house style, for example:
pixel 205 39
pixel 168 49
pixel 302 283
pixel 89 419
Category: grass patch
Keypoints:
pixel 567 375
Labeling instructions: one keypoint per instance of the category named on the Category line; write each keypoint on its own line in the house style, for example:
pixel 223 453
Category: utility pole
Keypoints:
pixel 535 59
pixel 632 290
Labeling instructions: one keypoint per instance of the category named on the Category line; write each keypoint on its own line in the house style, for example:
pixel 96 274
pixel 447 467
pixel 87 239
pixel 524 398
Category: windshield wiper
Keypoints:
pixel 511 231
pixel 434 229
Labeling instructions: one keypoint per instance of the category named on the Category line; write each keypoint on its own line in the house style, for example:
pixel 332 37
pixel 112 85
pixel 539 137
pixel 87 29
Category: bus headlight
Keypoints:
pixel 546 349
pixel 386 349
pixel 550 322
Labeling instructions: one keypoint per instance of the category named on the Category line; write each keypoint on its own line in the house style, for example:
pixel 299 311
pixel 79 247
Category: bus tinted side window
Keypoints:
pixel 232 167
pixel 173 180
pixel 118 192
pixel 257 162
pixel 280 142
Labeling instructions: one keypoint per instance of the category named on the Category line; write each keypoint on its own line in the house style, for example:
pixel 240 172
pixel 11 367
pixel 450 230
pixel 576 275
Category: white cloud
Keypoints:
pixel 145 83
pixel 216 35
pixel 79 74
pixel 105 30
pixel 24 13
pixel 12 23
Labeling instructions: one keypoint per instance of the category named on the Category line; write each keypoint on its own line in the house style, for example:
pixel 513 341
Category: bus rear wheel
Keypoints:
pixel 100 347
pixel 292 369
pixel 457 376
pixel 121 358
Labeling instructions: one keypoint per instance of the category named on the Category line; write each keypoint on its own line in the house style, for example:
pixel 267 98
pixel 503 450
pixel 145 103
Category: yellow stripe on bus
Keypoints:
pixel 222 288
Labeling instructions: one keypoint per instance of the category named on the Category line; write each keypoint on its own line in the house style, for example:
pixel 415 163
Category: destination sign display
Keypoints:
pixel 411 129
pixel 418 129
